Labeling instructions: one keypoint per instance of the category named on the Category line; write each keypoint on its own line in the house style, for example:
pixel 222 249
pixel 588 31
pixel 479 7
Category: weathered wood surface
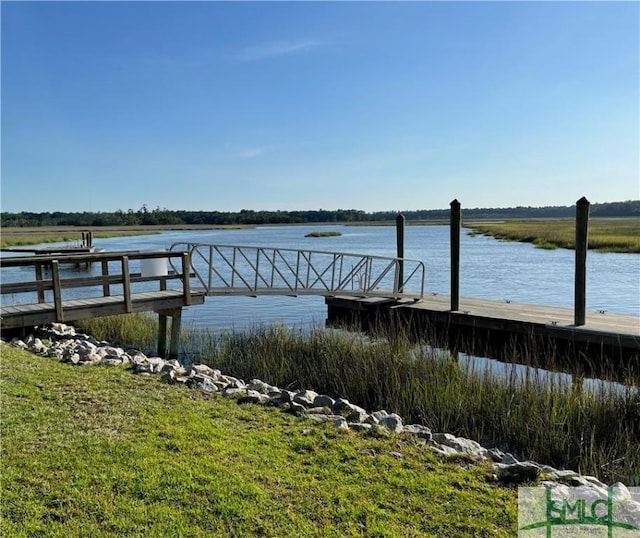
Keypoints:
pixel 40 313
pixel 607 346
pixel 64 309
pixel 55 250
pixel 549 321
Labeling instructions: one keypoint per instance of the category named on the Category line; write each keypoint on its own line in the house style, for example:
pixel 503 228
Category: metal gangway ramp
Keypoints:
pixel 257 270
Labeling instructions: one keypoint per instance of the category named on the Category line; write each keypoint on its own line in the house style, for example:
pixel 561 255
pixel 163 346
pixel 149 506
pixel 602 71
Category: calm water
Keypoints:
pixel 490 269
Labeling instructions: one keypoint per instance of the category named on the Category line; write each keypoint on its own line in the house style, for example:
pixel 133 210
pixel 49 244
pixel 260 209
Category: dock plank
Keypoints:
pixel 15 316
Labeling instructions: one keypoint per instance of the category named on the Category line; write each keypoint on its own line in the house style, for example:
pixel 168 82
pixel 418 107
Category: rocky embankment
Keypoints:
pixel 62 342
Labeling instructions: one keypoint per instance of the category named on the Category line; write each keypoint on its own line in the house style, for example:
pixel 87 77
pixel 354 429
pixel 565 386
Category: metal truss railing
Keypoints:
pixel 251 270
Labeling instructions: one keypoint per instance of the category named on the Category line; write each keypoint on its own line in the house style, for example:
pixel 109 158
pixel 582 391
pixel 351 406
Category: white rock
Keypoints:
pixel 375 417
pixel 418 430
pixel 620 492
pixel 111 361
pixel 517 472
pixel 508 459
pixel 391 422
pixel 253 397
pixel 360 426
pixel 305 397
pixel 19 343
pixel 593 480
pixel 259 386
pixel 206 370
pixel 232 382
pixel 322 400
pixel 461 444
pixel 340 405
pixel 231 391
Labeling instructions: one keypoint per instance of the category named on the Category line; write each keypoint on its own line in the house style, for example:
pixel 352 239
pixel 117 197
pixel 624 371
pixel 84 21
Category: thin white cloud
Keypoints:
pixel 240 151
pixel 266 51
pixel 248 153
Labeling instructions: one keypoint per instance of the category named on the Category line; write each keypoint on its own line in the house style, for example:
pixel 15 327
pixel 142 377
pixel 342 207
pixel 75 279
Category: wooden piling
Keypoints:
pixel 57 290
pixel 400 251
pixel 162 335
pixel 186 285
pixel 455 221
pixel 106 289
pixel 582 244
pixel 38 269
pixel 176 324
pixel 126 277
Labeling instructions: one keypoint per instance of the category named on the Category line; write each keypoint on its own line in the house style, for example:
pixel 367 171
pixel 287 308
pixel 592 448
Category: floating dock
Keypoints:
pixel 606 346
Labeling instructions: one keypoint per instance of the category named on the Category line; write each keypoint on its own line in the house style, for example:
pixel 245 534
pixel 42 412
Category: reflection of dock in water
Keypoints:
pixel 84 246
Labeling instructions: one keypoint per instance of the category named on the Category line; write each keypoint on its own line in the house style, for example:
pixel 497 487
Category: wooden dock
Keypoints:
pixel 540 335
pixel 83 246
pixel 46 299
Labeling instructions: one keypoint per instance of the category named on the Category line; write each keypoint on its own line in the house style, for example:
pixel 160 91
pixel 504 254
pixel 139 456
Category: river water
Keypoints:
pixel 490 269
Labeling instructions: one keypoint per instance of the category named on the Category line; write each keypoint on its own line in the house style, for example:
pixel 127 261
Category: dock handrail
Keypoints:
pixel 256 270
pixel 48 275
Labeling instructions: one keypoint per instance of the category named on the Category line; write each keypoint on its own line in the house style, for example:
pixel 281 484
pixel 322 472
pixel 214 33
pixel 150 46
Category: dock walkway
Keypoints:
pixel 53 295
pixel 482 326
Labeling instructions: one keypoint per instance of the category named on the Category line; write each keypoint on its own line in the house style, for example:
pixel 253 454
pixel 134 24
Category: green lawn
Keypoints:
pixel 98 451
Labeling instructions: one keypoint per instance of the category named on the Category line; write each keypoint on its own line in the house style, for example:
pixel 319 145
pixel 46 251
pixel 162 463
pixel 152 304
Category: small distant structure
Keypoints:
pixel 84 246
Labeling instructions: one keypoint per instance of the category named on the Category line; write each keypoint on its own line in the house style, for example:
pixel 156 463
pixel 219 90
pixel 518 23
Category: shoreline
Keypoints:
pixel 79 349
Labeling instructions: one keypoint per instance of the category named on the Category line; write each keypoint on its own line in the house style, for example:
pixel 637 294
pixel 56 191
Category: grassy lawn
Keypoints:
pixel 98 451
pixel 610 235
pixel 599 432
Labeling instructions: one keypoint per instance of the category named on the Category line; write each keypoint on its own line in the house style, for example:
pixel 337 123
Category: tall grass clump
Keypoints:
pixel 138 330
pixel 591 427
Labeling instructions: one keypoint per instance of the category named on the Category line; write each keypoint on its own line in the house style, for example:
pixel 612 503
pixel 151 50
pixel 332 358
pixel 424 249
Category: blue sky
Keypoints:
pixel 308 105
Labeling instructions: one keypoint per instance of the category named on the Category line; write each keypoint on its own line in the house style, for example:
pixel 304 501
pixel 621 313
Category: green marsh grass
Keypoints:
pixel 98 451
pixel 323 234
pixel 18 239
pixel 34 235
pixel 595 430
pixel 608 235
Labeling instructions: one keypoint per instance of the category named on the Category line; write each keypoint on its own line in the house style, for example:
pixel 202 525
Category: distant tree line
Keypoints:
pixel 145 216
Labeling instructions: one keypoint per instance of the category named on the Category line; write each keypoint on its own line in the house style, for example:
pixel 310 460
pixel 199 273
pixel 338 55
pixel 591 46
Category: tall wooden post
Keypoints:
pixel 126 284
pixel 455 221
pixel 400 250
pixel 39 280
pixel 186 289
pixel 162 335
pixel 582 244
pixel 162 325
pixel 57 290
pixel 106 289
pixel 176 323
